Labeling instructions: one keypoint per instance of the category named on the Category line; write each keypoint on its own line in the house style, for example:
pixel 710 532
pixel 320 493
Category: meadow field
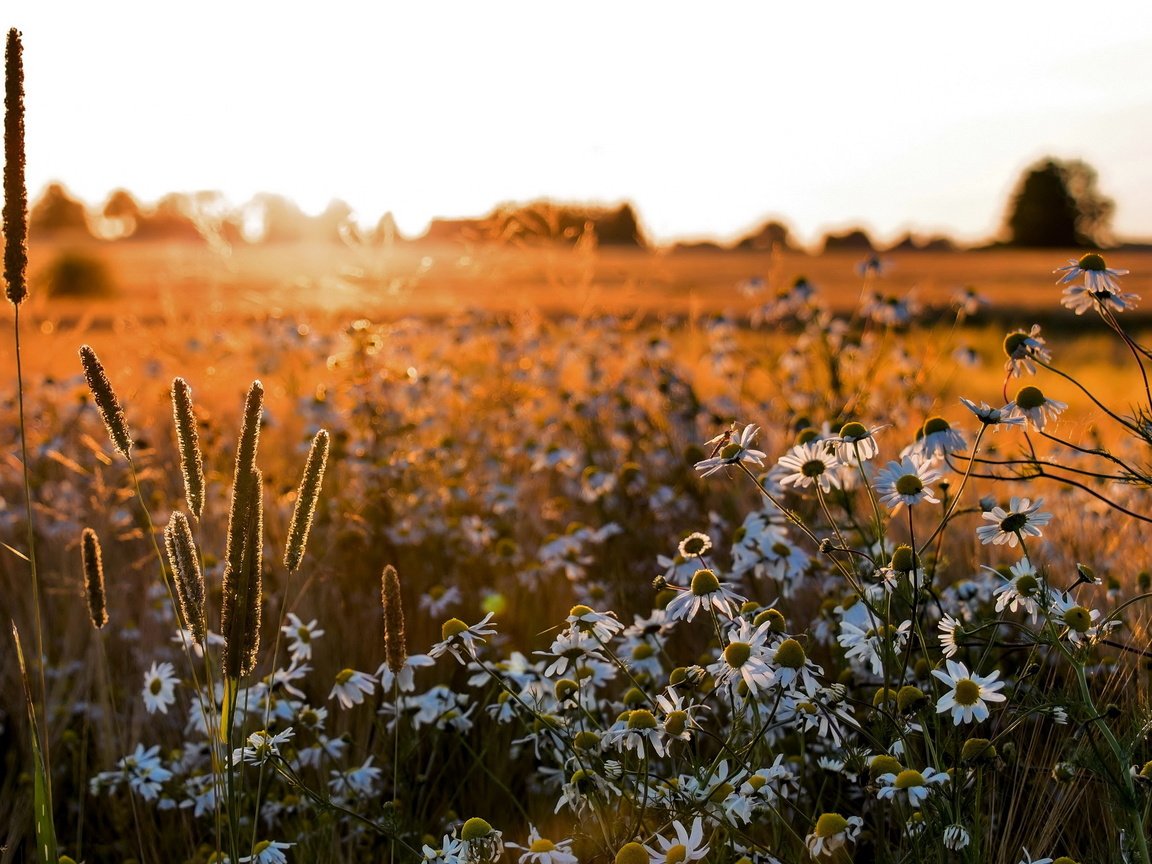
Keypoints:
pixel 700 556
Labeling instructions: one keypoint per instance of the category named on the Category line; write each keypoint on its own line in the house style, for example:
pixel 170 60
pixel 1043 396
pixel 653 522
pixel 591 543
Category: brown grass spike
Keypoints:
pixel 106 401
pixel 306 498
pixel 185 561
pixel 188 442
pixel 93 563
pixel 395 643
pixel 15 190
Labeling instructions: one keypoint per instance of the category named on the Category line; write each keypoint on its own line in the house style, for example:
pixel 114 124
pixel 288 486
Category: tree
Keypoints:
pixel 1057 204
pixel 58 214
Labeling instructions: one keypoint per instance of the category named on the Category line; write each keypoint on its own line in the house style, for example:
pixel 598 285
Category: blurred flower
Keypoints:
pixel 351 687
pixel 301 636
pixel 160 687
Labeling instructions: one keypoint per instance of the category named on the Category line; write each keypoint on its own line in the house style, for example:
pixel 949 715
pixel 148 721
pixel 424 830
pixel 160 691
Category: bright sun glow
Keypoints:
pixel 894 115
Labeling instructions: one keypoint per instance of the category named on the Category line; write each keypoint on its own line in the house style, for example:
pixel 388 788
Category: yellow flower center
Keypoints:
pixel 790 654
pixel 1078 618
pixel 541 845
pixel 830 824
pixel 641 718
pixel 1030 397
pixel 676 854
pixel 1092 261
pixel 967 692
pixel 909 778
pixel 737 654
pixel 452 627
pixel 705 582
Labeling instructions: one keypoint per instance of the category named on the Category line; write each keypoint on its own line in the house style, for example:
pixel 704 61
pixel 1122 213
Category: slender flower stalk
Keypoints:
pixel 188 443
pixel 93 578
pixel 306 498
pixel 106 401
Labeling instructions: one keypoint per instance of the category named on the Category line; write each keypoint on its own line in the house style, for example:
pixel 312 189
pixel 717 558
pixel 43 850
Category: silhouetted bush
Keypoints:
pixel 771 235
pixel 76 274
pixel 856 240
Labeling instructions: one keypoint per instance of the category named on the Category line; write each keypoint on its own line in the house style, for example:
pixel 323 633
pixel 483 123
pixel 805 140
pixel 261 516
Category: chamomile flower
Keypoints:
pixel 706 592
pixel 268 852
pixel 794 670
pixel 907 482
pixel 602 625
pixel 1025 589
pixel 160 687
pixel 1024 350
pixel 938 438
pixel 437 599
pixel 1036 408
pixel 949 629
pixel 687 846
pixel 460 640
pixel 405 680
pixel 351 687
pixel 637 728
pixel 910 784
pixel 812 463
pixel 746 658
pixel 831 832
pixel 541 850
pixel 259 747
pixel 1028 859
pixel 694 545
pixel 856 443
pixel 969 694
pixel 1080 622
pixel 1098 276
pixel 301 636
pixel 956 837
pixel 733 450
pixel 989 416
pixel 1021 519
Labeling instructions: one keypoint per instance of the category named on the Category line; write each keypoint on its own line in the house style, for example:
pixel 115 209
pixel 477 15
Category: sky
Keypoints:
pixel 709 117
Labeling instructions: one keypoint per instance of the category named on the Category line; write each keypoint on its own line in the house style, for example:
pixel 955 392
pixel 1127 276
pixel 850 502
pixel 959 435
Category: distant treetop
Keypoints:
pixel 1057 204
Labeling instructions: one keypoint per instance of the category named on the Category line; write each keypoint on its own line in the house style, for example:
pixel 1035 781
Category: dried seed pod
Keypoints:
pixel 188 442
pixel 110 410
pixel 93 563
pixel 395 643
pixel 185 561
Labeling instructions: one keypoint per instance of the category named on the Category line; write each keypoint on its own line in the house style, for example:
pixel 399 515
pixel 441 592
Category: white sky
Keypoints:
pixel 709 116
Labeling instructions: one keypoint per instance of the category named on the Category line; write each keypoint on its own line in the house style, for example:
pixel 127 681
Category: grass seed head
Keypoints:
pixel 15 188
pixel 188 442
pixel 185 562
pixel 395 643
pixel 93 578
pixel 306 498
pixel 106 402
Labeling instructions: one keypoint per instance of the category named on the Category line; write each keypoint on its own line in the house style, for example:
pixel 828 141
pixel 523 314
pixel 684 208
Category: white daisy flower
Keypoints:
pixel 260 747
pixel 687 846
pixel 1028 859
pixel 732 450
pixel 436 600
pixel 910 784
pixel 969 694
pixel 1024 590
pixel 907 482
pixel 1024 350
pixel 694 545
pixel 406 679
pixel 541 850
pixel 814 462
pixel 746 658
pixel 855 443
pixel 956 837
pixel 351 687
pixel 938 438
pixel 706 592
pixel 831 832
pixel 949 629
pixel 268 852
pixel 989 416
pixel 160 687
pixel 1097 275
pixel 301 636
pixel 1036 408
pixel 1021 519
pixel 460 640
